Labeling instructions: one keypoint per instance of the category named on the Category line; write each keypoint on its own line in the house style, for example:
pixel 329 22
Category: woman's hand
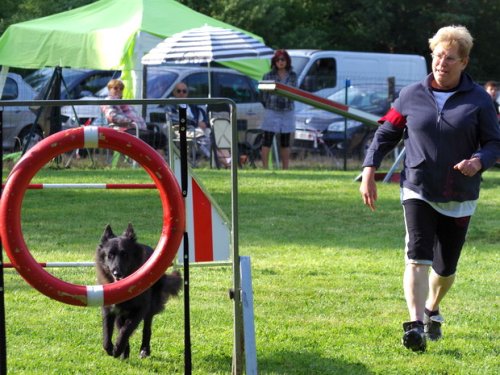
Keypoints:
pixel 469 167
pixel 368 188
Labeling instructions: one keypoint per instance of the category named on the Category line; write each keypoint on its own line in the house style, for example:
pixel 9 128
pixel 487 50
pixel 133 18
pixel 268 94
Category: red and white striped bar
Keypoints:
pixel 90 186
pixel 57 264
pixel 318 102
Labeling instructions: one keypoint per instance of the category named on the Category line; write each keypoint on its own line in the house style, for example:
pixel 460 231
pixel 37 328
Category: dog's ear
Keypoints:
pixel 130 233
pixel 107 234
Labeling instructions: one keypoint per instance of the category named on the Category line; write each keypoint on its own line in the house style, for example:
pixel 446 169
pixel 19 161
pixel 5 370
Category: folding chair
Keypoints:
pixel 252 145
pixel 170 126
pixel 221 142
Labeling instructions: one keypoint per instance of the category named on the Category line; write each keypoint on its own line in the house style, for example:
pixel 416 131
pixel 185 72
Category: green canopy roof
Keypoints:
pixel 107 34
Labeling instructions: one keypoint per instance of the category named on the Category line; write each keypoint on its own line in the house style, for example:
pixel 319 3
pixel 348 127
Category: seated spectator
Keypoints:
pixel 124 117
pixel 196 114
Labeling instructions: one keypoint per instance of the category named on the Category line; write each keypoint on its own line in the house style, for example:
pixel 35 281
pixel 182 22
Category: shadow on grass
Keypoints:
pixel 286 362
pixel 307 363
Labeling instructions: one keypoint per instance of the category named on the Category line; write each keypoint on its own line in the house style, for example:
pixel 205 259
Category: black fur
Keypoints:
pixel 116 258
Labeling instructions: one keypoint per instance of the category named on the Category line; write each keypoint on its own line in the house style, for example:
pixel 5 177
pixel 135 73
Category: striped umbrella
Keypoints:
pixel 204 45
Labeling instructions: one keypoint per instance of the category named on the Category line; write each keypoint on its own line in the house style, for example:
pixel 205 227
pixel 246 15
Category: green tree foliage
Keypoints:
pixel 402 26
pixel 14 11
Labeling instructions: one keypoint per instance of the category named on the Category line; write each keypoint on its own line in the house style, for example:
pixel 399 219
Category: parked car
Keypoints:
pixel 317 69
pixel 78 83
pixel 224 83
pixel 323 131
pixel 18 121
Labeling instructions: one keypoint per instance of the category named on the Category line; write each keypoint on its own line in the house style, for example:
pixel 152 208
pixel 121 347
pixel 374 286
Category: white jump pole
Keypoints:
pixel 248 316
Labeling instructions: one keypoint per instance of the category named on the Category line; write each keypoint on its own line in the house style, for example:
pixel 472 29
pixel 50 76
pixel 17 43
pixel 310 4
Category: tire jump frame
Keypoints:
pixel 173 225
pixel 95 295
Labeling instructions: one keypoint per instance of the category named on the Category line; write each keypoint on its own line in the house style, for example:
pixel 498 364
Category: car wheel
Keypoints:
pixel 24 138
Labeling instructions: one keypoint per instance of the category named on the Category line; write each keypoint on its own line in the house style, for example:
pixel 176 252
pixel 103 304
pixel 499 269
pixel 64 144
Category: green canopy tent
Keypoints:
pixel 108 35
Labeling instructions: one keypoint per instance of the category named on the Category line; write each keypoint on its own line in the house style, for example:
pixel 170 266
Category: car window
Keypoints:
pixel 39 78
pixel 299 63
pixel 90 85
pixel 354 95
pixel 197 84
pixel 10 90
pixel 236 87
pixel 76 80
pixel 322 74
pixel 159 82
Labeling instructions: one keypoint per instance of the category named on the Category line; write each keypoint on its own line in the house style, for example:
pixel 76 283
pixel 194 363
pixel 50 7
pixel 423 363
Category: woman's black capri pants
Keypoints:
pixel 433 238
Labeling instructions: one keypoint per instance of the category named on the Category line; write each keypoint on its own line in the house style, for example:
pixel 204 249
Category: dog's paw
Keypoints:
pixel 144 353
pixel 117 351
pixel 109 349
pixel 122 352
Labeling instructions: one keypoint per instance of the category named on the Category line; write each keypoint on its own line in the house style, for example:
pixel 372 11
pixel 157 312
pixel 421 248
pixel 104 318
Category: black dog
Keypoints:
pixel 116 258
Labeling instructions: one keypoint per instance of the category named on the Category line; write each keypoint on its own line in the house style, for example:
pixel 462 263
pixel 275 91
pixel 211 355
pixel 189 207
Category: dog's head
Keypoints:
pixel 118 256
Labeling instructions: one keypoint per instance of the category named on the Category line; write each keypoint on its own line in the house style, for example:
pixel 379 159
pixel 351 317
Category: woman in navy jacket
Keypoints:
pixel 451 135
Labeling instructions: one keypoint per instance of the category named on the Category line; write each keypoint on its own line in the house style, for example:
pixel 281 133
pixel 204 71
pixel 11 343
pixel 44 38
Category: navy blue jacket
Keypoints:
pixel 435 141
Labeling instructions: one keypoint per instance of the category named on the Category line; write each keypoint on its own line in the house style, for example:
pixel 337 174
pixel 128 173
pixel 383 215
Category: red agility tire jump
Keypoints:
pixel 96 295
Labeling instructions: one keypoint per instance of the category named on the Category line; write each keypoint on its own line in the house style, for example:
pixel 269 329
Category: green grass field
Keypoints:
pixel 327 280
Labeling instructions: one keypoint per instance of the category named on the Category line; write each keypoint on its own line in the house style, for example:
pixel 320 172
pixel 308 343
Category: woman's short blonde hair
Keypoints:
pixel 115 83
pixel 453 36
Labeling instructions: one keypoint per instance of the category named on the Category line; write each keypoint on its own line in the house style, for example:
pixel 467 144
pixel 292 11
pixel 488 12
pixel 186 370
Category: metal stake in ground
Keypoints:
pixel 184 189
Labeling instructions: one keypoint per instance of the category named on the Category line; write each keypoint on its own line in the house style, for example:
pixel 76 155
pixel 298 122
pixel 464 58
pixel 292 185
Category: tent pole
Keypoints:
pixel 144 89
pixel 209 81
pixel 3 77
pixel 53 92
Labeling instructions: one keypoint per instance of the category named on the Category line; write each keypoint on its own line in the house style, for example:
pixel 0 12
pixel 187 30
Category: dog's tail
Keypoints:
pixel 173 283
pixel 168 286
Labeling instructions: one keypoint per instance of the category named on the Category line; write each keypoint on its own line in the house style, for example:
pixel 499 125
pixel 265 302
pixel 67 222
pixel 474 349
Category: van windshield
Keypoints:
pixel 298 63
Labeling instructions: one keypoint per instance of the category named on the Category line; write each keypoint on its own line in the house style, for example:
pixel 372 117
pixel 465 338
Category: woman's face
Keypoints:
pixel 116 92
pixel 447 66
pixel 280 62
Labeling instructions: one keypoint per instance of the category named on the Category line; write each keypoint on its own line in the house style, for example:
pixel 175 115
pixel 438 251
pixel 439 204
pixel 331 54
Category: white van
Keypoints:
pixel 374 80
pixel 318 69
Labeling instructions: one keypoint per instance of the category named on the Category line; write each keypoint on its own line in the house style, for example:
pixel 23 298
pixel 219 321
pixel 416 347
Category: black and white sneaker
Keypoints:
pixel 414 336
pixel 432 326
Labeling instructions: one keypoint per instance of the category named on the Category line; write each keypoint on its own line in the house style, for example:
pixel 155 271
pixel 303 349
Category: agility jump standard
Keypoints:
pixel 237 299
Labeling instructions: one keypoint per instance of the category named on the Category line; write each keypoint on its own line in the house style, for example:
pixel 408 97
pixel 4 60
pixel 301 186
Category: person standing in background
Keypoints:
pixel 491 88
pixel 451 135
pixel 279 116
